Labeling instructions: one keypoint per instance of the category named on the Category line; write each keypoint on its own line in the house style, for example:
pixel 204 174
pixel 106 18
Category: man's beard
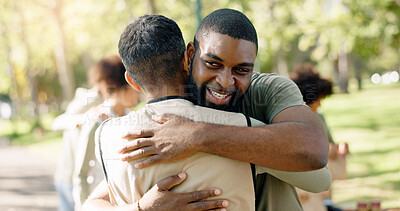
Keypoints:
pixel 197 95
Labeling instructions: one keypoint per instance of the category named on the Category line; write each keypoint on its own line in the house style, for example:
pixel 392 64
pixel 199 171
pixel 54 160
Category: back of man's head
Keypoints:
pixel 152 49
pixel 229 22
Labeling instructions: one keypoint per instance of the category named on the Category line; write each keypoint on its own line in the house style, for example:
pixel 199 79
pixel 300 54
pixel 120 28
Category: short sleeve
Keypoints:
pixel 268 95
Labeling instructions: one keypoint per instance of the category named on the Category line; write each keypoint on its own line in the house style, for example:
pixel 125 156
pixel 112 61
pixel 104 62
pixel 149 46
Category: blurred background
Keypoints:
pixel 47 46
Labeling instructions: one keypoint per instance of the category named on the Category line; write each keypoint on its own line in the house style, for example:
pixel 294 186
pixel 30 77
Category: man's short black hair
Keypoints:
pixel 152 48
pixel 229 22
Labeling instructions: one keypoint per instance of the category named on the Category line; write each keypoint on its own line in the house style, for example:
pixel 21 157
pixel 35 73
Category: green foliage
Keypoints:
pixel 289 31
pixel 27 132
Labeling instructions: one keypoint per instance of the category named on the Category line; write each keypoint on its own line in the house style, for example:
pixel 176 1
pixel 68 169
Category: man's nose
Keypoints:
pixel 225 78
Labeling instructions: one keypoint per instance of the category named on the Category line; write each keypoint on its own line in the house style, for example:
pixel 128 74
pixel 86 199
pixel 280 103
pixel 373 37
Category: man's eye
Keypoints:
pixel 212 64
pixel 241 70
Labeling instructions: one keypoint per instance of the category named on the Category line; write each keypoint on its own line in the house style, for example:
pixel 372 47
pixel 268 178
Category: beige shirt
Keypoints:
pixel 127 184
pixel 208 172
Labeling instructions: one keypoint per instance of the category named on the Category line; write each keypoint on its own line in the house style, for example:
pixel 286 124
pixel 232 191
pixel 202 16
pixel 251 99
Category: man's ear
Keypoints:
pixel 185 64
pixel 189 53
pixel 132 83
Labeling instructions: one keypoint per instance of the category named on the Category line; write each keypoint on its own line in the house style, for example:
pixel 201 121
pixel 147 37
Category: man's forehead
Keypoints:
pixel 221 44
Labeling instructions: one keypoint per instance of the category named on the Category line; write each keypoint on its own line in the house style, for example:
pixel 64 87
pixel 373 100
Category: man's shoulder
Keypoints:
pixel 270 84
pixel 116 126
pixel 215 116
pixel 268 79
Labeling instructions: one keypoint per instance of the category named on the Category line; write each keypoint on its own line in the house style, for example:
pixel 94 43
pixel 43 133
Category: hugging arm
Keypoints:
pixel 159 198
pixel 295 141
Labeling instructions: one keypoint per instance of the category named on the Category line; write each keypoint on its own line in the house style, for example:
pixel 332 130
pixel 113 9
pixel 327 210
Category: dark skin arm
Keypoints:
pixel 295 141
pixel 159 198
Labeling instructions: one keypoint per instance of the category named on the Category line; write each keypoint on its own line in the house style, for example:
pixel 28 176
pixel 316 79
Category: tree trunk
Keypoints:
pixel 342 70
pixel 14 92
pixel 151 7
pixel 358 65
pixel 281 66
pixel 198 12
pixel 29 74
pixel 65 74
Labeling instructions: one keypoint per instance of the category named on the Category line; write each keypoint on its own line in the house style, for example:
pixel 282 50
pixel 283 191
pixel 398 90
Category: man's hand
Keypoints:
pixel 160 198
pixel 174 140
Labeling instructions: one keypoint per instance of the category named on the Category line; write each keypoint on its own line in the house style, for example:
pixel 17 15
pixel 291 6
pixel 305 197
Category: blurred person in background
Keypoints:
pixel 67 122
pixel 108 76
pixel 314 89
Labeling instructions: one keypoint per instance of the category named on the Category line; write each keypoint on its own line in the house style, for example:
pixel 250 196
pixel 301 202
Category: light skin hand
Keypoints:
pixel 93 114
pixel 160 198
pixel 295 141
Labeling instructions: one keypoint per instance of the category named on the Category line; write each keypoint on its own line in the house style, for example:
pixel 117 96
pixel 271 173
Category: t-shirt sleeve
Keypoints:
pixel 312 181
pixel 256 123
pixel 270 94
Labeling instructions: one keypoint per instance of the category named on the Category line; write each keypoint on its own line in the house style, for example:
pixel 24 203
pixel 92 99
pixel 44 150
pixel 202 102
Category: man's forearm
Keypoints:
pixel 99 200
pixel 286 146
pixel 104 205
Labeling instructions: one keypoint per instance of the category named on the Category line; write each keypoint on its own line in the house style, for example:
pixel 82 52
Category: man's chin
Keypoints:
pixel 224 107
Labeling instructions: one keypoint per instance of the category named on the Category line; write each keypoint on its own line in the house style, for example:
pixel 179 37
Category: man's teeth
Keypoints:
pixel 218 95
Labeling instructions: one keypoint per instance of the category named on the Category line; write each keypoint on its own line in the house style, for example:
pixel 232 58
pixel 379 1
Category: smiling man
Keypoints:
pixel 222 77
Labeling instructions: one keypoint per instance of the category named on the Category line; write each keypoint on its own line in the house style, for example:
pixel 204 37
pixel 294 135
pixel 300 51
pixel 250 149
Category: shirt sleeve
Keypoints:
pixel 312 181
pixel 268 95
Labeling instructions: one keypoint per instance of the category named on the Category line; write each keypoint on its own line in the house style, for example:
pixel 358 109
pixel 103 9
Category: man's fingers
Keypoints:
pixel 201 194
pixel 135 144
pixel 139 133
pixel 171 181
pixel 209 205
pixel 163 118
pixel 139 153
pixel 148 161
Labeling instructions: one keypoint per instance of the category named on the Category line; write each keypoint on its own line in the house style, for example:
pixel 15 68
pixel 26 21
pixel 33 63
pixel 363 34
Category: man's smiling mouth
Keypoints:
pixel 217 97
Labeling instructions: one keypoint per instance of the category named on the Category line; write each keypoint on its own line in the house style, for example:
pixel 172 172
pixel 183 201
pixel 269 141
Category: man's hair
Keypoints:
pixel 110 70
pixel 229 22
pixel 311 85
pixel 152 48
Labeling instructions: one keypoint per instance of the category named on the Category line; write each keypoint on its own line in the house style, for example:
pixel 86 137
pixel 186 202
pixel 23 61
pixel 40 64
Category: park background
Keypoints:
pixel 46 46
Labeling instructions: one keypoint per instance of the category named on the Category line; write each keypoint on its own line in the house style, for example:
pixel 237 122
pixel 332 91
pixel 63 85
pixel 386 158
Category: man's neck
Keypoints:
pixel 164 91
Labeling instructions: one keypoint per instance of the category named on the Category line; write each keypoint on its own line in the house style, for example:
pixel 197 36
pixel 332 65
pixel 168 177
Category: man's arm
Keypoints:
pixel 99 200
pixel 295 141
pixel 159 198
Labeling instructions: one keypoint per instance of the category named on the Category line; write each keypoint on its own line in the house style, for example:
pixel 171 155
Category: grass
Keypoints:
pixel 369 121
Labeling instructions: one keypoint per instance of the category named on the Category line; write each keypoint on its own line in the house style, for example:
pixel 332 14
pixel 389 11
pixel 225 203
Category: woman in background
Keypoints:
pixel 108 76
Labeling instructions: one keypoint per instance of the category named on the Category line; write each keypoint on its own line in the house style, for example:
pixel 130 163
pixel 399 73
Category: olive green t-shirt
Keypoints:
pixel 326 128
pixel 268 95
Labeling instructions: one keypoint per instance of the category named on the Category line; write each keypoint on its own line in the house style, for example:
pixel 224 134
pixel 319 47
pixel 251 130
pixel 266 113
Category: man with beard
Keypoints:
pixel 222 71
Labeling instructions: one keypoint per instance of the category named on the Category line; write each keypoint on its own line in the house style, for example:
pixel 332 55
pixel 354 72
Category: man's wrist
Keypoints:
pixel 202 131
